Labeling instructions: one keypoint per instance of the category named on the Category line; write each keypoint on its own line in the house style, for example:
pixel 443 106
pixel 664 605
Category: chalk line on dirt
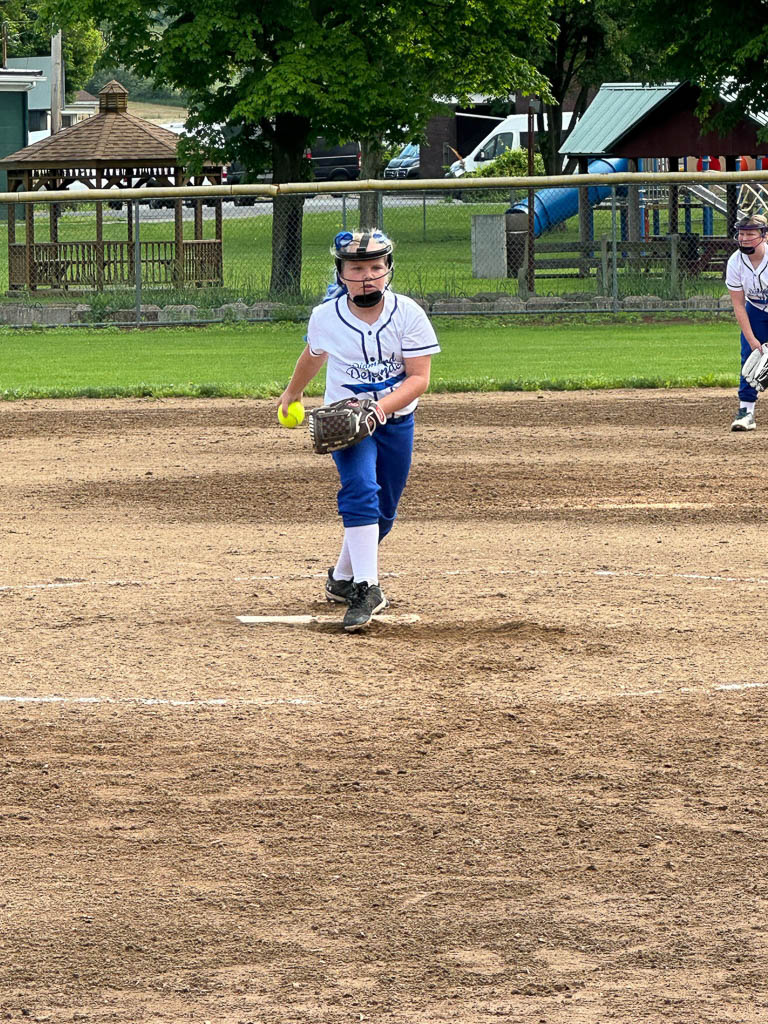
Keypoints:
pixel 60 584
pixel 225 703
pixel 214 702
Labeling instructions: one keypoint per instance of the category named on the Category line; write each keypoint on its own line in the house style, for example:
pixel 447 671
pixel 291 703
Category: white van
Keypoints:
pixel 511 133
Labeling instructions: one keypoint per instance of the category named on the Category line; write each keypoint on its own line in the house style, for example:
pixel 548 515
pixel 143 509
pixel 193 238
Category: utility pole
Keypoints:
pixel 57 77
pixel 5 44
pixel 533 108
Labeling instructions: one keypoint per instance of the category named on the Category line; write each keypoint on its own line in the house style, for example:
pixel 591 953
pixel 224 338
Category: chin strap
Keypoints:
pixel 367 299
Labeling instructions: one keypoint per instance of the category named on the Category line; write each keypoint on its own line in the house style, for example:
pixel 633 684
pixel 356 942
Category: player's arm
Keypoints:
pixel 417 370
pixel 307 367
pixel 739 304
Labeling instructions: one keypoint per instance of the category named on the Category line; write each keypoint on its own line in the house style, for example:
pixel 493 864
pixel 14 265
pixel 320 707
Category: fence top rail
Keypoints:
pixel 378 185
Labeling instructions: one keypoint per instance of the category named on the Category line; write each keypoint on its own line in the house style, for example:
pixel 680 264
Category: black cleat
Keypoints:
pixel 339 591
pixel 366 600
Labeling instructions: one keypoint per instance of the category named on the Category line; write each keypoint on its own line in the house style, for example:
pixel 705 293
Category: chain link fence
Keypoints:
pixel 461 248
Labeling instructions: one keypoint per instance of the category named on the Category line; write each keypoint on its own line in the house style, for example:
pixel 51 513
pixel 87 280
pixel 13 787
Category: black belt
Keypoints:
pixel 395 418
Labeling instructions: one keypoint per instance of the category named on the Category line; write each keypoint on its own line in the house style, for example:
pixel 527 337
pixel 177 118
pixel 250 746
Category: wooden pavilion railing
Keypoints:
pixel 63 265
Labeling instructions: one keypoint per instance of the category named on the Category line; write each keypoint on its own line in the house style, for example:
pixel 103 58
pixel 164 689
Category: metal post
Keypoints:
pixel 615 254
pixel 674 267
pixel 380 217
pixel 344 211
pixel 424 214
pixel 137 258
pixel 530 280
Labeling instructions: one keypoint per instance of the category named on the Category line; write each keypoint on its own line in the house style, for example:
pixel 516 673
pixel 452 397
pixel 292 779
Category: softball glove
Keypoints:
pixel 343 424
pixel 755 369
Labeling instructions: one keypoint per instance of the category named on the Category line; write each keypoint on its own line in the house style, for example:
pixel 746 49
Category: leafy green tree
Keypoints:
pixel 263 80
pixel 29 35
pixel 720 46
pixel 592 46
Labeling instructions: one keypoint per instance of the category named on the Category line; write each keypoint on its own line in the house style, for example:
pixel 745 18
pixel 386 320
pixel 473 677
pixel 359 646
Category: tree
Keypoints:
pixel 592 46
pixel 720 46
pixel 29 35
pixel 263 80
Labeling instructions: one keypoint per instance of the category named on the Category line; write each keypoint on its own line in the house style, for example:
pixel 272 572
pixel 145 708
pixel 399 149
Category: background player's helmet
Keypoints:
pixel 756 222
pixel 362 245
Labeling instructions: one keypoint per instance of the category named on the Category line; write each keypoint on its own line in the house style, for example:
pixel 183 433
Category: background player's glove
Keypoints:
pixel 344 423
pixel 755 368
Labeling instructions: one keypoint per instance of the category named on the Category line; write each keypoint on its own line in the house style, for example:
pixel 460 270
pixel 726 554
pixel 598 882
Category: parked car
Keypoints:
pixel 334 163
pixel 511 133
pixel 405 164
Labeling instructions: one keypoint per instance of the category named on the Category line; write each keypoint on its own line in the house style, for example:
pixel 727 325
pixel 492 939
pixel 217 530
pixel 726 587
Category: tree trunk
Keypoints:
pixel 288 145
pixel 371 166
pixel 550 140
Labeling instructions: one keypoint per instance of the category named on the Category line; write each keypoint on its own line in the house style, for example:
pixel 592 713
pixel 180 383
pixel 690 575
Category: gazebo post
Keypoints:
pixel 131 251
pixel 53 230
pixel 99 238
pixel 11 225
pixel 178 235
pixel 11 234
pixel 29 220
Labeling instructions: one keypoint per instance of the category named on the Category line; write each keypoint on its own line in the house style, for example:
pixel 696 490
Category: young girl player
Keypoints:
pixel 378 344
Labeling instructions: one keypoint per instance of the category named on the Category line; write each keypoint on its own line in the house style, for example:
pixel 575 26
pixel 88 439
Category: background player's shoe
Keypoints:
pixel 745 420
pixel 339 591
pixel 366 600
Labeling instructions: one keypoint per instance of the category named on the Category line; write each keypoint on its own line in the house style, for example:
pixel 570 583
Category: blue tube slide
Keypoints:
pixel 553 205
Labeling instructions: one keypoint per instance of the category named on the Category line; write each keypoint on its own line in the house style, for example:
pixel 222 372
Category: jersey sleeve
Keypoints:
pixel 314 336
pixel 419 338
pixel 733 281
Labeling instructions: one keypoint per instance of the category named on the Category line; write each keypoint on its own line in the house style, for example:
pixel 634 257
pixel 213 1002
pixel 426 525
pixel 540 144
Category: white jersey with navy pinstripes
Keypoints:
pixel 368 360
pixel 740 275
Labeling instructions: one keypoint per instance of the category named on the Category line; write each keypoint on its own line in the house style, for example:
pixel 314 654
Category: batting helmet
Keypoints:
pixel 361 245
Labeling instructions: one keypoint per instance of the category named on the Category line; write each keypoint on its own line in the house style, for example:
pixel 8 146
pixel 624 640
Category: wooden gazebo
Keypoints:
pixel 112 149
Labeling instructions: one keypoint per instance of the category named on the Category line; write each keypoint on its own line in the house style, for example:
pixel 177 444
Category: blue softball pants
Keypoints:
pixel 373 474
pixel 758 319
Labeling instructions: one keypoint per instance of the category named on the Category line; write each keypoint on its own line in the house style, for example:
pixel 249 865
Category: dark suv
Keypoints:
pixel 334 163
pixel 405 164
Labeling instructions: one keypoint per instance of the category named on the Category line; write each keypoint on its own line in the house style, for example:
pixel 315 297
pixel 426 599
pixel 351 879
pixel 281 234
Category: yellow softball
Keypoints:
pixel 293 417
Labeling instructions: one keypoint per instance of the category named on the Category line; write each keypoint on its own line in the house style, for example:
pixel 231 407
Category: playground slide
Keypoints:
pixel 553 205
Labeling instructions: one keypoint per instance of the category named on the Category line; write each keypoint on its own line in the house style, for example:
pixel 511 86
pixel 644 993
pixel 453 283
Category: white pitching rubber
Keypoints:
pixel 306 620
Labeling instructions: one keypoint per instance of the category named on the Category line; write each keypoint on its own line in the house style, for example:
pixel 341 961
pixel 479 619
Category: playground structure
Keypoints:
pixel 683 229
pixel 676 229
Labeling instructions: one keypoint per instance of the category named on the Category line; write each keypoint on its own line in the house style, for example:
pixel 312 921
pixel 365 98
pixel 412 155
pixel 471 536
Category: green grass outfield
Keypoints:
pixel 256 360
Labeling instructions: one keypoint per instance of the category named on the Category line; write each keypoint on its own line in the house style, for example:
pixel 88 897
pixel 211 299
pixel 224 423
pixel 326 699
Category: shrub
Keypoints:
pixel 513 163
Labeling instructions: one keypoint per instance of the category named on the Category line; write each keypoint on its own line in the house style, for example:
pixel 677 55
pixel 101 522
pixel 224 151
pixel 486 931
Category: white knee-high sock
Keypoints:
pixel 362 543
pixel 343 567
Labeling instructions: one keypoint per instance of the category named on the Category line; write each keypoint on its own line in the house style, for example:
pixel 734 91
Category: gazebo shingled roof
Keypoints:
pixel 113 137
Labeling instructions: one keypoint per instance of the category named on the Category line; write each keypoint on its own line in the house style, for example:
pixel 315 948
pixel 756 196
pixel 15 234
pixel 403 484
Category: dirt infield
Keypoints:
pixel 542 802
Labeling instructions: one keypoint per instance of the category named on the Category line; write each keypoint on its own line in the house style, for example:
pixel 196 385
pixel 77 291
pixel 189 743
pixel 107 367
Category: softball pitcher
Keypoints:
pixel 378 347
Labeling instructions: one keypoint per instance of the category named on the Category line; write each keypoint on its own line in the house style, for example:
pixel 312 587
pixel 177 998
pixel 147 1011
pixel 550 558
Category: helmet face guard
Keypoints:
pixel 371 245
pixel 751 225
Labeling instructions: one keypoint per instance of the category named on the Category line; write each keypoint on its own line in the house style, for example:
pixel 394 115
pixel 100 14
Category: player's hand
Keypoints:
pixel 286 398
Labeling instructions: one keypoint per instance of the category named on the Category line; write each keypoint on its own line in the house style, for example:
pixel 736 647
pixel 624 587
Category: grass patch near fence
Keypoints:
pixel 256 360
